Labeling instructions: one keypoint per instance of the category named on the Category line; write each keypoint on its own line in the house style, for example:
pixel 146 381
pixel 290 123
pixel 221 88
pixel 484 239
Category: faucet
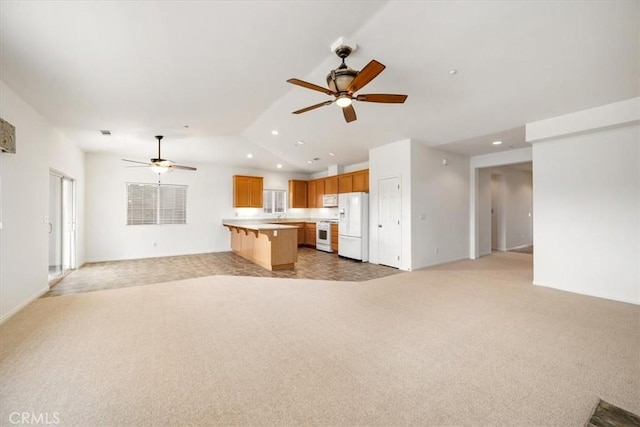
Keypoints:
pixel 279 217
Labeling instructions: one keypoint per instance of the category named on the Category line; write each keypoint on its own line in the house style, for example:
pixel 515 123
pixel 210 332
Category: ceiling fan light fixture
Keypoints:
pixel 344 101
pixel 338 80
pixel 159 169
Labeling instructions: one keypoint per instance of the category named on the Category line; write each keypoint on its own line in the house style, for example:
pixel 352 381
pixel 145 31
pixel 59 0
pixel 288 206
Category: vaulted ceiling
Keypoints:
pixel 211 76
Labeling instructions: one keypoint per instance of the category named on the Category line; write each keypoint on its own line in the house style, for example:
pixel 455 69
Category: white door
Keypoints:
pixel 389 227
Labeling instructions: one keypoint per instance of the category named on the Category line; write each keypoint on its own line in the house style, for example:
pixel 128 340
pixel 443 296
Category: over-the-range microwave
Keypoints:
pixel 330 201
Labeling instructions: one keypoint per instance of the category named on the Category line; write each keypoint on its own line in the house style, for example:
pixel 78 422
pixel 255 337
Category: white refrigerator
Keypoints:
pixel 353 226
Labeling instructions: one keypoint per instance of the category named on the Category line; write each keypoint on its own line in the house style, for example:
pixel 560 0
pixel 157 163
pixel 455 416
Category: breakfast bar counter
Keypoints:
pixel 272 246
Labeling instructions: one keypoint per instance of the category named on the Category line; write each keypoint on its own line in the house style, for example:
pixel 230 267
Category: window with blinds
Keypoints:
pixel 156 204
pixel 274 201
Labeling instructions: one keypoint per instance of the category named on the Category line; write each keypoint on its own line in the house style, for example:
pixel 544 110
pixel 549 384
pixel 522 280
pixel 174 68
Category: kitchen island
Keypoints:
pixel 272 246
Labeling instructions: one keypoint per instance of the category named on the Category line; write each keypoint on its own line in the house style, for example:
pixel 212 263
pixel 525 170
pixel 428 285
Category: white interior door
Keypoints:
pixel 389 227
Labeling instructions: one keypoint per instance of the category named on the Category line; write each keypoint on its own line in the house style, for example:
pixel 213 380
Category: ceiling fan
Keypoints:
pixel 343 82
pixel 160 165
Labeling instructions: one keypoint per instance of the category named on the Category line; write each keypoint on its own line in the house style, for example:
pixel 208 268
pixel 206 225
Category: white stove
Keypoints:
pixel 323 236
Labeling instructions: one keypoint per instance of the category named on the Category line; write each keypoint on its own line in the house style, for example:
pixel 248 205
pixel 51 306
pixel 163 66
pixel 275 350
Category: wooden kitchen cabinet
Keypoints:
pixel 361 181
pixel 312 199
pixel 297 193
pixel 345 183
pixel 320 191
pixel 331 185
pixel 334 238
pixel 301 231
pixel 247 191
pixel 310 234
pixel 354 182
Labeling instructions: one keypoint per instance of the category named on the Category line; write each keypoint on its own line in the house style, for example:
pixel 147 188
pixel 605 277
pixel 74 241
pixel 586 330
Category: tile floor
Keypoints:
pixel 311 264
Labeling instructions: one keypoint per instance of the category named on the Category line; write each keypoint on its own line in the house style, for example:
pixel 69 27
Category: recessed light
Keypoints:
pixel 274 132
pixel 331 154
pixel 300 142
pixel 279 166
pixel 315 159
pixel 105 132
pixel 453 71
pixel 309 161
pixel 186 126
pixel 497 142
pixel 249 156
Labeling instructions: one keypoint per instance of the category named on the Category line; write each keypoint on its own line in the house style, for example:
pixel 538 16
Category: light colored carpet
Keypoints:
pixel 469 343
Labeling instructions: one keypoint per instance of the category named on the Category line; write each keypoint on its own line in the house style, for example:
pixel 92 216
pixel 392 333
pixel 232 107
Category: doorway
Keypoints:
pixel 389 229
pixel 497 217
pixel 62 226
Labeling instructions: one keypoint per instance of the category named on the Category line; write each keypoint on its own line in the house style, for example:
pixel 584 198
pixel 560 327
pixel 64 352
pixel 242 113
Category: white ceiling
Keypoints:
pixel 220 67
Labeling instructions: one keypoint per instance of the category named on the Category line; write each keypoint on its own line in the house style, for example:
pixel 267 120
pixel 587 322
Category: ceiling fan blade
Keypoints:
pixel 313 107
pixel 186 168
pixel 382 97
pixel 368 73
pixel 311 86
pixel 349 113
pixel 135 161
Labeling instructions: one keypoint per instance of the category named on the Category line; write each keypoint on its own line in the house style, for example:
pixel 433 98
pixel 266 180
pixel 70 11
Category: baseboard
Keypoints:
pixel 24 304
pixel 515 248
pixel 434 264
pixel 628 301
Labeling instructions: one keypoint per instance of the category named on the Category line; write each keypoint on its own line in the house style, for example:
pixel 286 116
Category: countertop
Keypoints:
pixel 258 226
pixel 254 221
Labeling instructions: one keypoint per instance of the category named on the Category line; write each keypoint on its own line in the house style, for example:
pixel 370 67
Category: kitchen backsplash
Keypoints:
pixel 328 213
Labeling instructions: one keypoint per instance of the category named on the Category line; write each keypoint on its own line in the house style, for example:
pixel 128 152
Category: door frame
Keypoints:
pixel 72 222
pixel 502 158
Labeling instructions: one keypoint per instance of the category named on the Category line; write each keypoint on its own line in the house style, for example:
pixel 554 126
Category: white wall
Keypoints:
pixel 24 178
pixel 209 201
pixel 515 208
pixel 434 212
pixel 439 206
pixel 389 161
pixel 587 213
pixel 586 194
pixel 340 169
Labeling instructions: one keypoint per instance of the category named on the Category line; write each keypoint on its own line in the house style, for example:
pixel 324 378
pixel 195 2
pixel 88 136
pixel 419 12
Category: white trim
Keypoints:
pixel 435 264
pixel 573 291
pixel 24 304
pixel 519 247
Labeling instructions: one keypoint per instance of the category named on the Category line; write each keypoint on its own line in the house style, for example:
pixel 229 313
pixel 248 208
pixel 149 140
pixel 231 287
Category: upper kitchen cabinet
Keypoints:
pixel 345 183
pixel 298 193
pixel 354 182
pixel 247 191
pixel 331 185
pixel 361 181
pixel 312 199
pixel 320 191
